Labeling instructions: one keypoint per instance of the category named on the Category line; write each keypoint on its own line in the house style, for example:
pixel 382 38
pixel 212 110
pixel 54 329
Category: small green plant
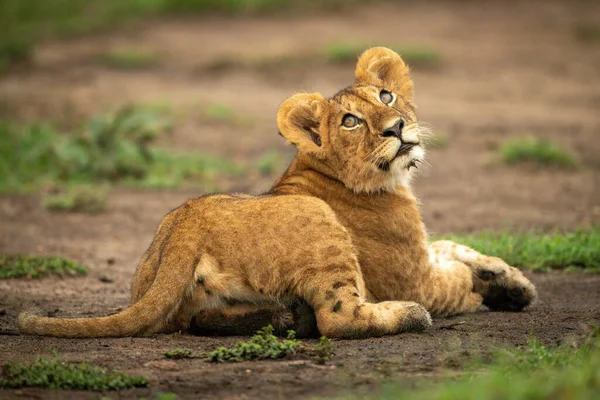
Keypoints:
pixel 539 151
pixel 269 163
pixel 263 345
pixel 78 198
pixel 177 354
pixel 132 59
pixel 588 33
pixel 111 149
pixel 413 55
pixel 579 249
pixel 54 373
pixel 17 266
pixel 323 350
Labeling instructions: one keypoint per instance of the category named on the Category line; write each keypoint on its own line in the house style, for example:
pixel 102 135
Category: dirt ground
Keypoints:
pixel 508 69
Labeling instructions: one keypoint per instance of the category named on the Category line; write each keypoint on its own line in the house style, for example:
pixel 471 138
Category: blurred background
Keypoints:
pixel 113 112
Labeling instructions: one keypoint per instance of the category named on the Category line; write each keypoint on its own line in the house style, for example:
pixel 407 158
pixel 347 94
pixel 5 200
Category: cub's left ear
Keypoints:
pixel 380 66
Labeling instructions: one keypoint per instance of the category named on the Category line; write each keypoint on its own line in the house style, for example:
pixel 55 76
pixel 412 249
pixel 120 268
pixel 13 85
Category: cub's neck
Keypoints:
pixel 309 177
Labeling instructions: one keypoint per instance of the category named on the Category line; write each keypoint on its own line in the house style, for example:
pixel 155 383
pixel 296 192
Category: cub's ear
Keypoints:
pixel 298 120
pixel 380 66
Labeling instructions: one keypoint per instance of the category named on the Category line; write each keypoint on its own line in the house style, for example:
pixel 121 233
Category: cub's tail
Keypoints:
pixel 173 280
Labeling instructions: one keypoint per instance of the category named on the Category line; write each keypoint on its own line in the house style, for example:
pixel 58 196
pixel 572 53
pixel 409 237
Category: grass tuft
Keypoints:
pixel 54 373
pixel 579 249
pixel 539 151
pixel 264 345
pixel 130 59
pixel 79 198
pixel 18 266
pixel 533 372
pixel 112 149
pixel 177 354
pixel 413 55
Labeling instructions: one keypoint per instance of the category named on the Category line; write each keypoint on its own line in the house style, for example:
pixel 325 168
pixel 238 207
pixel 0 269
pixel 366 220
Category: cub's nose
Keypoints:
pixel 395 130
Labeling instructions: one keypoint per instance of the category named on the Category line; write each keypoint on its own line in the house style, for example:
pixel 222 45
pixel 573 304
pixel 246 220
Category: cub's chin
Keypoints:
pixel 412 159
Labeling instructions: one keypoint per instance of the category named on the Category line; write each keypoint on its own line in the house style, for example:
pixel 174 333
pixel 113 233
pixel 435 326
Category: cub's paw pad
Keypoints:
pixel 503 298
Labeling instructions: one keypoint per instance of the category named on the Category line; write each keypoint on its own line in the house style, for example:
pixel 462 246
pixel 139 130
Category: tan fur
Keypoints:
pixel 340 231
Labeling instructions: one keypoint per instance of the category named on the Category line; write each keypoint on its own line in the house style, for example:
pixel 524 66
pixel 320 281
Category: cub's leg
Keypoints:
pixel 502 287
pixel 337 294
pixel 245 319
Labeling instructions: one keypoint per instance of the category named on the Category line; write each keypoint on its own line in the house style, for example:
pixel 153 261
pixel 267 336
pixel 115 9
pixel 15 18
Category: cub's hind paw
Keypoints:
pixel 506 290
pixel 500 298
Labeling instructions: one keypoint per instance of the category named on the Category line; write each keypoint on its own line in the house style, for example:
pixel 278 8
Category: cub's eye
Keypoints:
pixel 350 121
pixel 386 97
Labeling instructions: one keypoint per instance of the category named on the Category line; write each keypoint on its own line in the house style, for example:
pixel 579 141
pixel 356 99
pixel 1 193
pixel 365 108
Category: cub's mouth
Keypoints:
pixel 404 149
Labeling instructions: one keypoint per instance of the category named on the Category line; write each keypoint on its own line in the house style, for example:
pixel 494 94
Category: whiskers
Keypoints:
pixel 425 132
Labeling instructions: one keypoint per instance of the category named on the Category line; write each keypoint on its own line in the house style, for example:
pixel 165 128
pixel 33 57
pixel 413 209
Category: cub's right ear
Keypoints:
pixel 298 120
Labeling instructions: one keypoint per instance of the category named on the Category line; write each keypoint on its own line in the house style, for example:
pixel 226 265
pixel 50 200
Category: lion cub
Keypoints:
pixel 340 231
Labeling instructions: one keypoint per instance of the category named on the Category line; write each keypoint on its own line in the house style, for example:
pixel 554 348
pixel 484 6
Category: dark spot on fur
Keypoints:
pixel 356 311
pixel 338 285
pixel 331 251
pixel 208 292
pixel 337 307
pixel 200 280
pixel 336 268
pixel 261 291
pixel 329 295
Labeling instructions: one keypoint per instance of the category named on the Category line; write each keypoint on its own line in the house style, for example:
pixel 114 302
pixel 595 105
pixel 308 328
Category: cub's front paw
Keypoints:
pixel 504 288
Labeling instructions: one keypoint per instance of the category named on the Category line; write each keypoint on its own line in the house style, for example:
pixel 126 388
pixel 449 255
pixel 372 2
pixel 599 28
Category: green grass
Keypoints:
pixel 112 149
pixel 177 354
pixel 264 345
pixel 538 151
pixel 54 373
pixel 588 33
pixel 530 373
pixel 17 266
pixel 23 24
pixel 130 59
pixel 414 55
pixel 579 249
pixel 80 198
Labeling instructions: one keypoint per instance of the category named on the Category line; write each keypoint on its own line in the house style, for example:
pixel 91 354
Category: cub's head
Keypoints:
pixel 367 134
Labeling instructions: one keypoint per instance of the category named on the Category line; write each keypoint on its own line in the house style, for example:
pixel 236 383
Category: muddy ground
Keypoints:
pixel 508 69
